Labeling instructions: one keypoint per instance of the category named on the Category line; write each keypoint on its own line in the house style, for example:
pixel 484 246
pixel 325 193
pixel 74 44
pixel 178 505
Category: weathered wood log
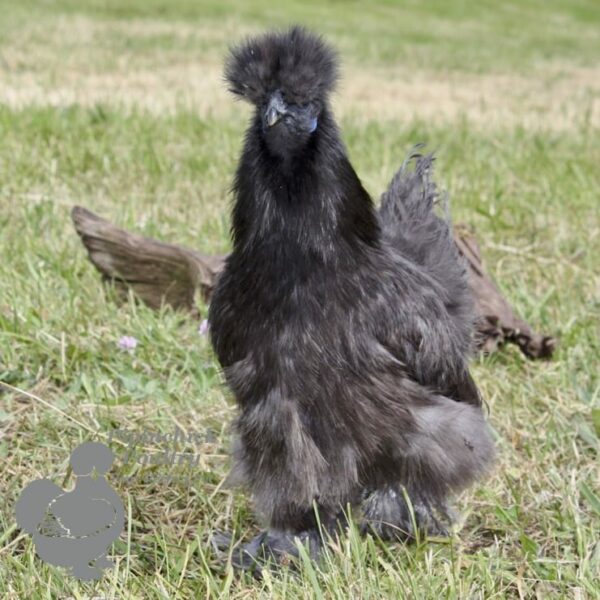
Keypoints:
pixel 160 273
pixel 156 272
pixel 497 321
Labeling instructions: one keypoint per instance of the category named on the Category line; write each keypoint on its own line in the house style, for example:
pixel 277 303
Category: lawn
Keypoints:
pixel 119 105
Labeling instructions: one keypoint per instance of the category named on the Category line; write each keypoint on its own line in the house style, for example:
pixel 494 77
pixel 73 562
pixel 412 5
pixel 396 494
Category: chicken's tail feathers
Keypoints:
pixel 408 215
pixel 411 224
pixel 412 192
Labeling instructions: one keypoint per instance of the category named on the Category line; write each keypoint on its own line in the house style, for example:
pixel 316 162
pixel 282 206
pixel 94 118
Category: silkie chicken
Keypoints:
pixel 343 331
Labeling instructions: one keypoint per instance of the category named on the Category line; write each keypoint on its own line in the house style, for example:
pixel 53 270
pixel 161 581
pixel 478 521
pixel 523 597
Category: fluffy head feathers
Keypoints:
pixel 296 62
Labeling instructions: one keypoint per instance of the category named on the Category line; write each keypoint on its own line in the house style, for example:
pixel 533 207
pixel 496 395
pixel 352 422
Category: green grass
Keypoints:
pixel 528 187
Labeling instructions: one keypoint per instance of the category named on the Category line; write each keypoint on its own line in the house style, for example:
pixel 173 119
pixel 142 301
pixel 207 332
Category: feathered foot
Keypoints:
pixel 388 515
pixel 273 547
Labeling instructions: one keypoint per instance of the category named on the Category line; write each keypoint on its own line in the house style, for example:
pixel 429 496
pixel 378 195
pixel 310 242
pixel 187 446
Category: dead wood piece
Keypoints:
pixel 160 273
pixel 497 323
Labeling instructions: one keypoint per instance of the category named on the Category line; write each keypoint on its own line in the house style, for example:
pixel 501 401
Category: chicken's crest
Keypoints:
pixel 296 62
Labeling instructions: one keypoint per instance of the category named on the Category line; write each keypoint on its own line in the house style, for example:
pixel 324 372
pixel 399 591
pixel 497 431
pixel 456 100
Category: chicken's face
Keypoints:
pixel 288 126
pixel 288 77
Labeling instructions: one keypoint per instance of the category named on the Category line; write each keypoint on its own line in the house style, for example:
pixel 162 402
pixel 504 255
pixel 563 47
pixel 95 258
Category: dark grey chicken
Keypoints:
pixel 343 332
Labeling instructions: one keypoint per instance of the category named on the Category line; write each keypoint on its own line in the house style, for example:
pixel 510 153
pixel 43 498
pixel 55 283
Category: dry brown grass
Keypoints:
pixel 89 66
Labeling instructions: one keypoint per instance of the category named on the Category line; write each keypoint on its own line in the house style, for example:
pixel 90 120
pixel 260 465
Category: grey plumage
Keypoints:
pixel 343 332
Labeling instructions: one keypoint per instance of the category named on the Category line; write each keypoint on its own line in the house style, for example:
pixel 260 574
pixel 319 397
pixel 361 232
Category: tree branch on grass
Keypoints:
pixel 160 273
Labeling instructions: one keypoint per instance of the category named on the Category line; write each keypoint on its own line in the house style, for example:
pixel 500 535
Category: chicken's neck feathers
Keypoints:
pixel 312 200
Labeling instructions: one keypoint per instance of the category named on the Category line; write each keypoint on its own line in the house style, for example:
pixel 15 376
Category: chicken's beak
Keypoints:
pixel 276 108
pixel 272 116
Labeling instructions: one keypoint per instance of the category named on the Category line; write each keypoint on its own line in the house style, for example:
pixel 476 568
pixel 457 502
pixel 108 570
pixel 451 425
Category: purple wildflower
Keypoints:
pixel 203 328
pixel 127 342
